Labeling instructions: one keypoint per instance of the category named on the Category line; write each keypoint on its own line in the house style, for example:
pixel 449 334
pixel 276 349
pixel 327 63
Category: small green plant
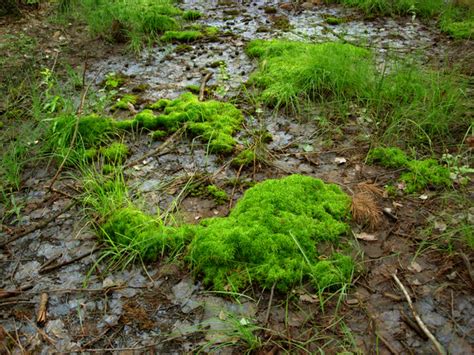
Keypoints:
pixel 123 102
pixel 115 153
pixel 246 157
pixel 219 195
pixel 192 15
pixel 213 121
pixel 458 22
pixel 388 157
pixel 272 235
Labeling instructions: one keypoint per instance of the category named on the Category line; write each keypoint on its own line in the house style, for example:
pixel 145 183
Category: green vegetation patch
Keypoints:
pixel 218 194
pixel 191 15
pixel 272 237
pixel 123 102
pixel 458 22
pixel 143 234
pixel 115 153
pixel 292 72
pixel 423 8
pixel 246 157
pixel 213 121
pixel 181 36
pixel 410 103
pixel 420 174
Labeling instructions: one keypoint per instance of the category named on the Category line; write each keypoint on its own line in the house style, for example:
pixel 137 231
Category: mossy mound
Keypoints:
pixel 91 129
pixel 291 72
pixel 143 234
pixel 213 121
pixel 388 157
pixel 181 36
pixel 420 174
pixel 246 157
pixel 272 236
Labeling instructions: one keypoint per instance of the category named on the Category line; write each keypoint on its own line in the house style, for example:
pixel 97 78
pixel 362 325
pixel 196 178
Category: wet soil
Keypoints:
pixel 160 306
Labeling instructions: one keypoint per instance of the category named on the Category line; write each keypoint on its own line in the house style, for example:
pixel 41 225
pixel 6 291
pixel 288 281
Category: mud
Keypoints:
pixel 161 306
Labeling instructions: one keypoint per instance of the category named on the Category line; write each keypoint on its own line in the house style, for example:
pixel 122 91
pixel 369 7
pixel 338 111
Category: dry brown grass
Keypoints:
pixel 365 210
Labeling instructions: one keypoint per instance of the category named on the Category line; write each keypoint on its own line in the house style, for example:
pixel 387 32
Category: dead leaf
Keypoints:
pixel 423 197
pixel 415 267
pixel 366 236
pixel 222 315
pixel 340 160
pixel 309 298
pixel 440 226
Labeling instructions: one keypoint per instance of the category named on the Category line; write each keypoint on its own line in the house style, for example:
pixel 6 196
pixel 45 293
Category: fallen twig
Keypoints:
pixel 48 268
pixel 439 348
pixel 387 344
pixel 413 326
pixel 267 315
pixel 37 226
pixel 156 151
pixel 202 89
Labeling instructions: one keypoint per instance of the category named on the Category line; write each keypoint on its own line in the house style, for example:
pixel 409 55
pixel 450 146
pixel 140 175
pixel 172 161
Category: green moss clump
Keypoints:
pixel 146 119
pixel 125 124
pixel 388 157
pixel 122 103
pixel 211 31
pixel 293 72
pixel 142 234
pixel 193 89
pixel 420 174
pixel 181 36
pixel 330 20
pixel 114 81
pixel 213 121
pixel 115 153
pixel 92 130
pixel 219 195
pixel 90 154
pixel 158 135
pixel 244 158
pixel 192 15
pixel 272 235
pixel 425 173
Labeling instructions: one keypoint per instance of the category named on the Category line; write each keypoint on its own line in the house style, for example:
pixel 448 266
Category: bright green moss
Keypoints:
pixel 92 129
pixel 125 124
pixel 143 234
pixel 90 154
pixel 330 20
pixel 291 71
pixel 158 135
pixel 211 31
pixel 388 157
pixel 219 195
pixel 246 158
pixel 181 36
pixel 115 153
pixel 193 89
pixel 124 101
pixel 213 121
pixel 192 15
pixel 114 81
pixel 146 119
pixel 425 173
pixel 272 236
pixel 421 174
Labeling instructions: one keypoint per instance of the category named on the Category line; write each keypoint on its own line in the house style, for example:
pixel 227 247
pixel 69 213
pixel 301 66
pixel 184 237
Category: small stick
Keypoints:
pixel 413 326
pixel 235 185
pixel 439 348
pixel 267 316
pixel 202 89
pixel 387 344
pixel 48 268
pixel 38 225
pixel 41 318
pixel 158 149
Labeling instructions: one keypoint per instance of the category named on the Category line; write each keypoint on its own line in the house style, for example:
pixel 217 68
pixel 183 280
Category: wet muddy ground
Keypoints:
pixel 160 306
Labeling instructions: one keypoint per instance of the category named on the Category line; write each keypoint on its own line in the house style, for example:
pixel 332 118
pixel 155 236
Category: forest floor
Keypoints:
pixel 49 247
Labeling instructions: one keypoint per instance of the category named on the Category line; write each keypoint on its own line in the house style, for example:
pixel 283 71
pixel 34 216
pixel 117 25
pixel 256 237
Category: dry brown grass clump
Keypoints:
pixel 364 207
